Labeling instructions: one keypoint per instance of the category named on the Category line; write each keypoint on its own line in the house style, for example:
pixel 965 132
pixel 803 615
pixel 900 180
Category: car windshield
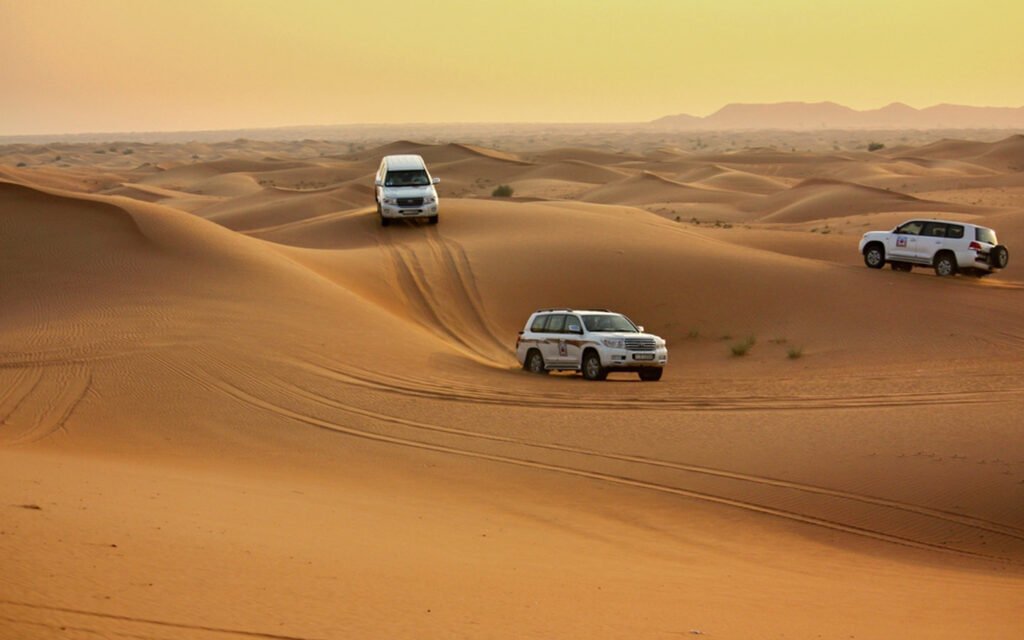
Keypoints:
pixel 608 322
pixel 413 178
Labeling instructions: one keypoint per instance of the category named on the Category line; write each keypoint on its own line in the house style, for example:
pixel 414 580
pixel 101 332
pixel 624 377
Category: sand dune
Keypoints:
pixel 648 188
pixel 820 199
pixel 231 403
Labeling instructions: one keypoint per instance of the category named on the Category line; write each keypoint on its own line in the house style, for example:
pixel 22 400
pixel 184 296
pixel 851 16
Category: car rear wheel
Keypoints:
pixel 945 264
pixel 650 375
pixel 874 255
pixel 592 369
pixel 999 257
pixel 535 362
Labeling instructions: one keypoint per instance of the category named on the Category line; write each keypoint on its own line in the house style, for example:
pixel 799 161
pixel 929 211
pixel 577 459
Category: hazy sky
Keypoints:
pixel 137 65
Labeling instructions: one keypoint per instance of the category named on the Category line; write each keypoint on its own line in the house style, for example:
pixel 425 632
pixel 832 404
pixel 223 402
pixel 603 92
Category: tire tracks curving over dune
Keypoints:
pixel 667 401
pixel 40 401
pixel 851 512
pixel 436 279
pixel 138 627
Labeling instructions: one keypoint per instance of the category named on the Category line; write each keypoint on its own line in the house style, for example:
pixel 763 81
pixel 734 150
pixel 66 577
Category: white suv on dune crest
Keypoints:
pixel 948 247
pixel 404 189
pixel 595 342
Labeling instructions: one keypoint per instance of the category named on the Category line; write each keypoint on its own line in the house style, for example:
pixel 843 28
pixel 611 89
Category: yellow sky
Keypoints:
pixel 141 65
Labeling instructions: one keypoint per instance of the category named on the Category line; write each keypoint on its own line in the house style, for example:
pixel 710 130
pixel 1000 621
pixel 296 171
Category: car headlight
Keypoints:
pixel 660 342
pixel 389 201
pixel 429 200
pixel 614 343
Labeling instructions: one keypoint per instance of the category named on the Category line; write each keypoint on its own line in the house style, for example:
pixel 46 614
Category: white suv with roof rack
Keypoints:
pixel 595 342
pixel 946 246
pixel 404 189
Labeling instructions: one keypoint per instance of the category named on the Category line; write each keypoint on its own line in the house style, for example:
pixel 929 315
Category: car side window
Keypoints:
pixel 935 230
pixel 954 231
pixel 538 324
pixel 556 323
pixel 911 228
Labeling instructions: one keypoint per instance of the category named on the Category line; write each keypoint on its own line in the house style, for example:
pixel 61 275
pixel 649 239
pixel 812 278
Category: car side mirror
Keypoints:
pixel 640 328
pixel 435 180
pixel 378 182
pixel 575 328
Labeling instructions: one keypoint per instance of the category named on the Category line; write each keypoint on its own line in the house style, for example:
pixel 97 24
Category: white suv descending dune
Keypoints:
pixel 948 247
pixel 405 189
pixel 594 342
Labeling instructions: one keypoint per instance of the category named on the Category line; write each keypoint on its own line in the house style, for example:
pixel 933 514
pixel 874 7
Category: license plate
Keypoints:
pixel 643 356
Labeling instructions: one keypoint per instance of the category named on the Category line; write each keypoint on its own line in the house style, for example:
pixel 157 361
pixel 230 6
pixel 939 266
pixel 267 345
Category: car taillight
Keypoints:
pixel 974 246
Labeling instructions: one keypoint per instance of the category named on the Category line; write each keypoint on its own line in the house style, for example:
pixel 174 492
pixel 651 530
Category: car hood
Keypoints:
pixel 625 334
pixel 409 192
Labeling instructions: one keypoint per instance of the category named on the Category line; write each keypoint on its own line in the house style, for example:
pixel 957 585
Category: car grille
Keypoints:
pixel 639 344
pixel 410 202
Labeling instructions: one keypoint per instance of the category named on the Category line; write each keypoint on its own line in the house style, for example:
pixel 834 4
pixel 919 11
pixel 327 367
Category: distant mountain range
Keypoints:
pixel 829 115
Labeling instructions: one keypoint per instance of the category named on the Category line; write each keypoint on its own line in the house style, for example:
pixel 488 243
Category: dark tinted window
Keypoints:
pixel 954 231
pixel 935 229
pixel 538 324
pixel 985 235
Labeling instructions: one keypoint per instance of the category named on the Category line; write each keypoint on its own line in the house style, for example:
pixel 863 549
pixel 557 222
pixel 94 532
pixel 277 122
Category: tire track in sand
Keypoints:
pixel 44 407
pixel 426 388
pixel 636 465
pixel 150 622
pixel 441 292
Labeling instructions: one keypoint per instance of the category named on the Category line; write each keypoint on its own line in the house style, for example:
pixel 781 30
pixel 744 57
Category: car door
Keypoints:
pixel 552 346
pixel 902 242
pixel 931 241
pixel 572 340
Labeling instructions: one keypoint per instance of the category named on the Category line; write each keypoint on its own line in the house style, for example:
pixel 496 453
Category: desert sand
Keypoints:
pixel 232 405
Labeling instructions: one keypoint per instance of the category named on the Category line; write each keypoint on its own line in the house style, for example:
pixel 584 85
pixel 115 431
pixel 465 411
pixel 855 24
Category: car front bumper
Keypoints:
pixel 396 211
pixel 623 359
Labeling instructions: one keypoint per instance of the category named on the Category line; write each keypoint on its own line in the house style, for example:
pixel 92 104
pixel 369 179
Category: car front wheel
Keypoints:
pixel 874 256
pixel 592 369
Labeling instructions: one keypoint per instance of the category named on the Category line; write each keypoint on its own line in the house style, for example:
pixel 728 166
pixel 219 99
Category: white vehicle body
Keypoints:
pixel 948 247
pixel 594 342
pixel 405 189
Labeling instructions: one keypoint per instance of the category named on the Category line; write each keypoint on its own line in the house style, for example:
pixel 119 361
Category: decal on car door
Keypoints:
pixel 901 241
pixel 563 350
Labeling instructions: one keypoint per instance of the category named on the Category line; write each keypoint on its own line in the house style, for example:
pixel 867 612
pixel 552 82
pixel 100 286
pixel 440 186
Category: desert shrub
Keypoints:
pixel 128 152
pixel 794 352
pixel 502 191
pixel 875 146
pixel 743 347
pixel 22 164
pixel 694 333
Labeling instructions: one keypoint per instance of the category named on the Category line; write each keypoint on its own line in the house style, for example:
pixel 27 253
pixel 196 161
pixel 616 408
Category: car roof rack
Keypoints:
pixel 571 310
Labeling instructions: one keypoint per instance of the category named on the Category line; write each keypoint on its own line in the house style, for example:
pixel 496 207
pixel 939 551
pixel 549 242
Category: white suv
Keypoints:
pixel 404 189
pixel 948 247
pixel 595 342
